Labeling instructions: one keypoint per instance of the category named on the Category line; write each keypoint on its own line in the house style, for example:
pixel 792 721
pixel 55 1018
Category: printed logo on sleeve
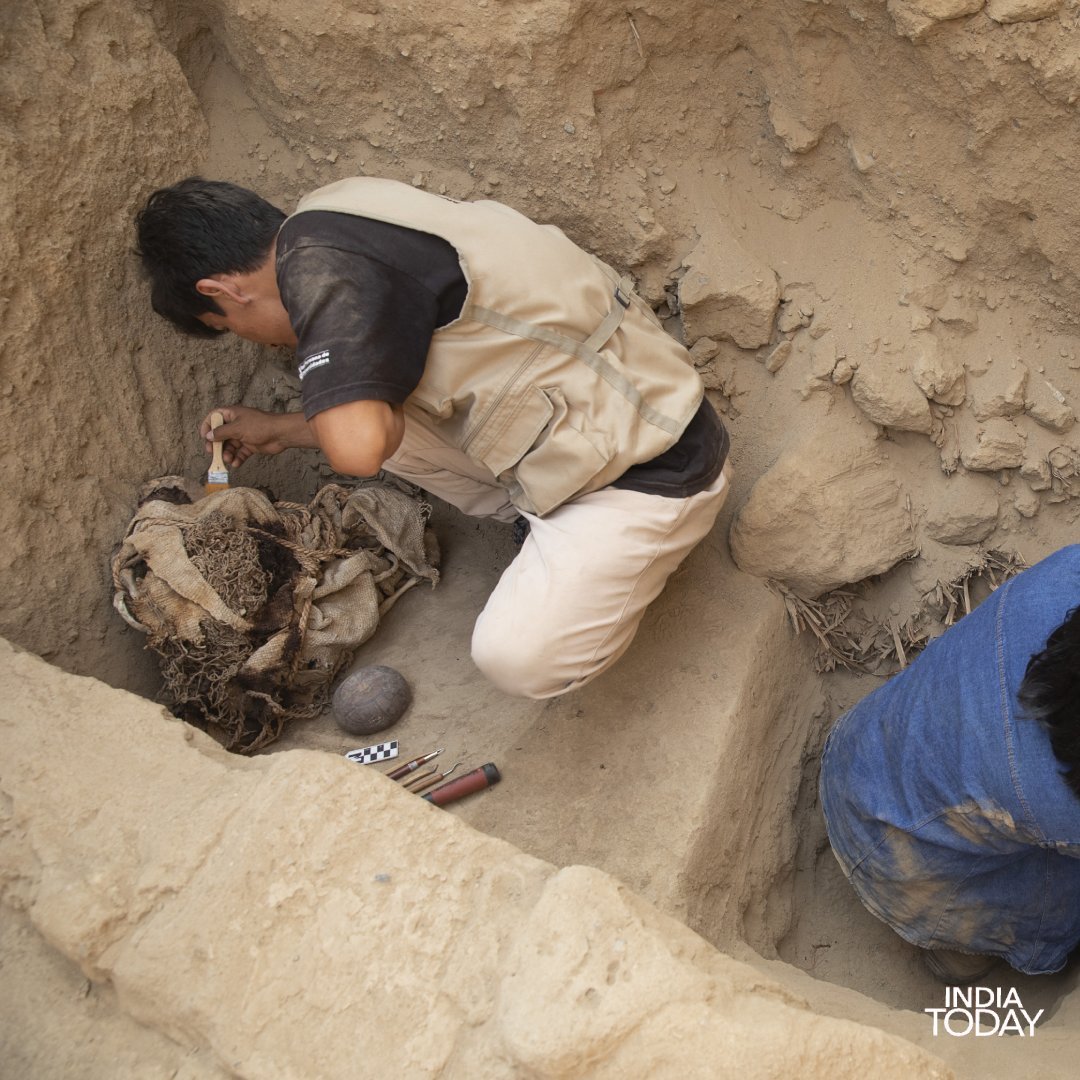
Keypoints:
pixel 315 360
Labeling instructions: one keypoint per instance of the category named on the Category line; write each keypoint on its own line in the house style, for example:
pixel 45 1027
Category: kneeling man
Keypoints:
pixel 487 359
pixel 952 793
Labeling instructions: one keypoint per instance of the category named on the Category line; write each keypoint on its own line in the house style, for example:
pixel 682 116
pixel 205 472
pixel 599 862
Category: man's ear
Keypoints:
pixel 222 286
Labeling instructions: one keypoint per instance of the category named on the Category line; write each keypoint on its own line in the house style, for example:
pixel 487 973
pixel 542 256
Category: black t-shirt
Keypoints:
pixel 365 299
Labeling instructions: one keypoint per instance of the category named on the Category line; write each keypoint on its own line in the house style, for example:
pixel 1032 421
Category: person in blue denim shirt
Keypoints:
pixel 951 793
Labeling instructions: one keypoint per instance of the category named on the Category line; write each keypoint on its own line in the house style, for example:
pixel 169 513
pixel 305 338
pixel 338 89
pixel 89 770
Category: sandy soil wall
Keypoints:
pixel 638 129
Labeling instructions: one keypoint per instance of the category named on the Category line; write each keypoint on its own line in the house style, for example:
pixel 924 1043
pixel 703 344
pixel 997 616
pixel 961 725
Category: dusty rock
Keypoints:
pixel 934 296
pixel 938 372
pixel 1000 390
pixel 727 293
pixel 703 350
pixel 888 395
pixel 797 136
pixel 843 372
pixel 958 314
pixel 1026 501
pixel 965 512
pixel 863 160
pixel 828 513
pixel 997 444
pixel 795 311
pixel 1046 405
pixel 823 358
pixel 778 357
pixel 1013 11
pixel 1036 471
pixel 914 17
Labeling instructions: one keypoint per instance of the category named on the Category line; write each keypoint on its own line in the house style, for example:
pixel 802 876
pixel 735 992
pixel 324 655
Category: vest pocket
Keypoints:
pixel 511 435
pixel 563 462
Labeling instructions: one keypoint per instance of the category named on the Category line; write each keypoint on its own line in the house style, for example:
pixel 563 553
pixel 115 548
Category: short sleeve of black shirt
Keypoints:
pixel 364 299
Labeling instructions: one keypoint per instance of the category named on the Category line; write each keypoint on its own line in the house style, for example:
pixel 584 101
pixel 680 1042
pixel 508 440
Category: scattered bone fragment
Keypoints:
pixel 863 160
pixel 843 371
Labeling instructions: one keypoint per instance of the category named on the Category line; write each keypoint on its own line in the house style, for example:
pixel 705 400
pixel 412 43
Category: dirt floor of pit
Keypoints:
pixel 620 774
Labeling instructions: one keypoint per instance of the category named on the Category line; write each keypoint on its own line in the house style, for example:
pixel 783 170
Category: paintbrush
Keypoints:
pixel 217 478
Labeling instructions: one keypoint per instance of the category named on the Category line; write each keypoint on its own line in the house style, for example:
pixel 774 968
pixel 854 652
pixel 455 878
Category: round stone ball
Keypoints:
pixel 370 700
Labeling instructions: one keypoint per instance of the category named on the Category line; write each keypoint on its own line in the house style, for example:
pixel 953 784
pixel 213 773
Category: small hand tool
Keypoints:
pixel 432 779
pixel 217 478
pixel 412 766
pixel 415 779
pixel 476 780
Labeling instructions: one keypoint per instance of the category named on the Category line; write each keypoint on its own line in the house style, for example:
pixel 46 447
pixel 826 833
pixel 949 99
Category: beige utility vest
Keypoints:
pixel 556 376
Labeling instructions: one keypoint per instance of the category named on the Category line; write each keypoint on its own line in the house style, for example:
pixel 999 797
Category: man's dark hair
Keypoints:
pixel 1050 692
pixel 193 230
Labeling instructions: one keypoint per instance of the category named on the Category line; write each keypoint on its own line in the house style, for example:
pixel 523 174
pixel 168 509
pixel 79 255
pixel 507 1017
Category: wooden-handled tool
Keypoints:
pixel 217 478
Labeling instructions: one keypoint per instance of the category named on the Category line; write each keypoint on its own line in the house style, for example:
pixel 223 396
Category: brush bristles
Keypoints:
pixel 216 486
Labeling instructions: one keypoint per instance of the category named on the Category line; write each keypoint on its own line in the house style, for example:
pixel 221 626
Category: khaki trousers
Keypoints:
pixel 570 603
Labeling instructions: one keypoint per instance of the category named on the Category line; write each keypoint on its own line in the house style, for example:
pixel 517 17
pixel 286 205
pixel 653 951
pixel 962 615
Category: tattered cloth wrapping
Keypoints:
pixel 254 606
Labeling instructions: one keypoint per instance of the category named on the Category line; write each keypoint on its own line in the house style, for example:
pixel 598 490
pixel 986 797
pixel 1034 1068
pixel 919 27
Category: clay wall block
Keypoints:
pixel 829 512
pixel 727 293
pixel 885 391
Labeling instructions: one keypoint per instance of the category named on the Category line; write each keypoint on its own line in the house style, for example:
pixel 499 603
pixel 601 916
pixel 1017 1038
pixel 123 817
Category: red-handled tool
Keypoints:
pixel 476 780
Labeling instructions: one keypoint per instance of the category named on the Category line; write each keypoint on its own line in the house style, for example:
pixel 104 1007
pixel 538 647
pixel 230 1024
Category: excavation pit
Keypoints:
pixel 647 891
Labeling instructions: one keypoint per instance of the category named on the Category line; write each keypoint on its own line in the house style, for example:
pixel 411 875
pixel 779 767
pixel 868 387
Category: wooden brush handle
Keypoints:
pixel 218 464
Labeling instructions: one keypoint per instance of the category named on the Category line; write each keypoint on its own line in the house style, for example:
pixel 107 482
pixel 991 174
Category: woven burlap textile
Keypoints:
pixel 253 606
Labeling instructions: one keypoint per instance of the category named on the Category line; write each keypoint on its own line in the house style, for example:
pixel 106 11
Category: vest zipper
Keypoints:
pixel 497 399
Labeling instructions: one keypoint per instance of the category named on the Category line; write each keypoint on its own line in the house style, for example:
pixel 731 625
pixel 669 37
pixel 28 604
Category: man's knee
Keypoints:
pixel 517 664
